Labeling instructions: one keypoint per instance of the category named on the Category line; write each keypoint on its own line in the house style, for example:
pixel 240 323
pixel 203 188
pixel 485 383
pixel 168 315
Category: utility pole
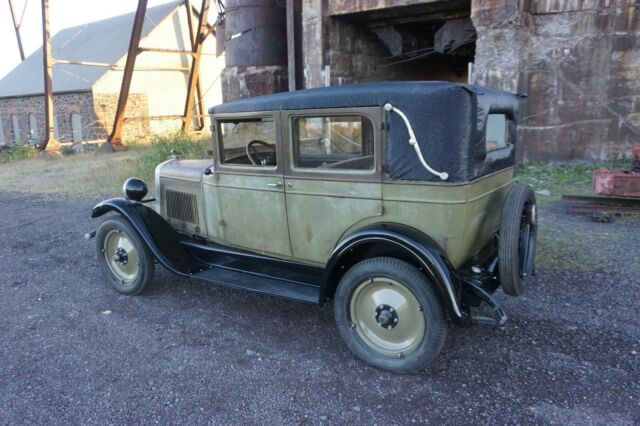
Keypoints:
pixel 50 142
pixel 16 26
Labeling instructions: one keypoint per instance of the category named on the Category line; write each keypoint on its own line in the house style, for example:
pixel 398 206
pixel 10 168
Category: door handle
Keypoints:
pixel 275 185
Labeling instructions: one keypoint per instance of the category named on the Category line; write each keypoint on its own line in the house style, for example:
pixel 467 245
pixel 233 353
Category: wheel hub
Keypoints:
pixel 121 256
pixel 386 317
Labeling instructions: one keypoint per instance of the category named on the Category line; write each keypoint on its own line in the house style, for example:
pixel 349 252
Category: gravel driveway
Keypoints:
pixel 74 351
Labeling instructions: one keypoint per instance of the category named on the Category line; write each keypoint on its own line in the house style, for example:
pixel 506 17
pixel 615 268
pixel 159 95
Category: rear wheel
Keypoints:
pixel 517 244
pixel 389 315
pixel 124 258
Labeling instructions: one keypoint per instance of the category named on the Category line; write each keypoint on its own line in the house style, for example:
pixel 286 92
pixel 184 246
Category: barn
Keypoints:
pixel 86 95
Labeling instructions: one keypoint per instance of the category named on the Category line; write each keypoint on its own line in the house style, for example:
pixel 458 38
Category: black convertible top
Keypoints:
pixel 449 120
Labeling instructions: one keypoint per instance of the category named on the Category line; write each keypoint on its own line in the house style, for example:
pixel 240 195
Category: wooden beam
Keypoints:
pixel 115 138
pixel 50 142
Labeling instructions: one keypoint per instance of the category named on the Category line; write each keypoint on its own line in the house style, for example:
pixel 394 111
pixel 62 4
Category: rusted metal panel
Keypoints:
pixel 596 204
pixel 255 31
pixel 623 183
pixel 115 138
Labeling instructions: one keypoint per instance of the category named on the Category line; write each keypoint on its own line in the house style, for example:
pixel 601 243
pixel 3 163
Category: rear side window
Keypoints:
pixel 342 142
pixel 497 132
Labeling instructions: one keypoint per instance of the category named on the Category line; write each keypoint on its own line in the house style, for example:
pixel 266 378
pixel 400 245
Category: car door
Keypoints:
pixel 332 176
pixel 247 187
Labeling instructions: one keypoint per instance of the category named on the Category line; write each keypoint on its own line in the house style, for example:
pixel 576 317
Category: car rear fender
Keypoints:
pixel 406 243
pixel 163 241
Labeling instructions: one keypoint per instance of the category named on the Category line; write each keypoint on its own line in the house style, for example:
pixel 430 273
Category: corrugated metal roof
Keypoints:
pixel 104 41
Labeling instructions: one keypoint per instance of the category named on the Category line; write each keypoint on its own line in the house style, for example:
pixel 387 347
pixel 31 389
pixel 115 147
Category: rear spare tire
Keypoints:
pixel 517 239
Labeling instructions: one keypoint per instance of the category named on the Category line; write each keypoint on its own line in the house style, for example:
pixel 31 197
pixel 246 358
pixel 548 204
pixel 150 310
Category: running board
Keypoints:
pixel 254 272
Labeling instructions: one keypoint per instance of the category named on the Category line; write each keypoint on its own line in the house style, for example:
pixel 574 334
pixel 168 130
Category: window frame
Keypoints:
pixel 33 126
pixel 76 132
pixel 374 114
pixel 506 150
pixel 15 128
pixel 246 168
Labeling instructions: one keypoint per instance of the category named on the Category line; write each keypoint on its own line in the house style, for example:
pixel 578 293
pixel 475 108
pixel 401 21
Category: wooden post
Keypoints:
pixel 195 66
pixel 115 138
pixel 194 39
pixel 50 143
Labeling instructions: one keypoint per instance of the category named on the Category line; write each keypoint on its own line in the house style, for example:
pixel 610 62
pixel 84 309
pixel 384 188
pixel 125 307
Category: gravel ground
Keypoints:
pixel 74 351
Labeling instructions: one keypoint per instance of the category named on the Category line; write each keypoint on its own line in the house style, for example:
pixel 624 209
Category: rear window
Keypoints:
pixel 497 132
pixel 342 142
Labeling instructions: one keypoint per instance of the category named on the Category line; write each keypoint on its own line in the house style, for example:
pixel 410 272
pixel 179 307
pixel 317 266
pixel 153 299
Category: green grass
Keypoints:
pixel 561 179
pixel 161 148
pixel 16 153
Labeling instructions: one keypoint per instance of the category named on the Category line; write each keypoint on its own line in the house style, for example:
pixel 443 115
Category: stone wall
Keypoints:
pixel 96 111
pixel 578 61
pixel 136 125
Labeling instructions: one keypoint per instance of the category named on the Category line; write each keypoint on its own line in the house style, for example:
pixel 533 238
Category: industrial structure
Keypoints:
pixel 577 60
pixel 88 64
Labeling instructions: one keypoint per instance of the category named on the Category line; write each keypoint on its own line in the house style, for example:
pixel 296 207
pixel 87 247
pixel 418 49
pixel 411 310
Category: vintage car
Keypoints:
pixel 396 201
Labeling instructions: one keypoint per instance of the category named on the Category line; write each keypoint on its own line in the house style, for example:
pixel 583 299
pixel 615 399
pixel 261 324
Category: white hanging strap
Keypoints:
pixel 414 142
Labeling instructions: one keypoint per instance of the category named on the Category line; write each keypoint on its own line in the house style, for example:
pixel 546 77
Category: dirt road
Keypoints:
pixel 74 351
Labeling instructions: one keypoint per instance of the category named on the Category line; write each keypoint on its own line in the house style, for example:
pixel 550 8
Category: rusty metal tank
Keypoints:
pixel 255 33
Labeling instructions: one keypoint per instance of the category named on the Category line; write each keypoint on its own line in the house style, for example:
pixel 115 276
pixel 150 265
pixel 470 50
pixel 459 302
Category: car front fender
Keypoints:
pixel 404 242
pixel 161 239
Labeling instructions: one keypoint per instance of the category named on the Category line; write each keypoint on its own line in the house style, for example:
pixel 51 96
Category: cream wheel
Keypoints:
pixel 387 316
pixel 390 315
pixel 123 256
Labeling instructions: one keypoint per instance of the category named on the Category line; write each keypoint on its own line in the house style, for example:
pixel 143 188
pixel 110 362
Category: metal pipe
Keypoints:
pixel 47 62
pixel 195 65
pixel 16 27
pixel 291 44
pixel 161 50
pixel 115 138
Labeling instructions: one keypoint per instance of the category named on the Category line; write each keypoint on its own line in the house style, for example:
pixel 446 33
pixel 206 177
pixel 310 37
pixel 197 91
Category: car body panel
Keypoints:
pixel 320 211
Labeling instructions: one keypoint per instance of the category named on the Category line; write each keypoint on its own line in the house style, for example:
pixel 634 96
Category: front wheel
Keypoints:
pixel 390 315
pixel 123 256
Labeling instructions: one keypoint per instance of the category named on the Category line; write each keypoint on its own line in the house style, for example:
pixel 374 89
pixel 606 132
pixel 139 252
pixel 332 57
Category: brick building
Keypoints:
pixel 86 96
pixel 578 60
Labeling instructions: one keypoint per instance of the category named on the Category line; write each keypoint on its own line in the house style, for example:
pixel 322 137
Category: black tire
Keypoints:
pixel 142 274
pixel 430 308
pixel 517 239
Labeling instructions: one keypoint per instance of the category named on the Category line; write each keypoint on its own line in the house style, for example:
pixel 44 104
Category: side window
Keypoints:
pixel 33 126
pixel 76 126
pixel 16 128
pixel 497 132
pixel 342 142
pixel 249 142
